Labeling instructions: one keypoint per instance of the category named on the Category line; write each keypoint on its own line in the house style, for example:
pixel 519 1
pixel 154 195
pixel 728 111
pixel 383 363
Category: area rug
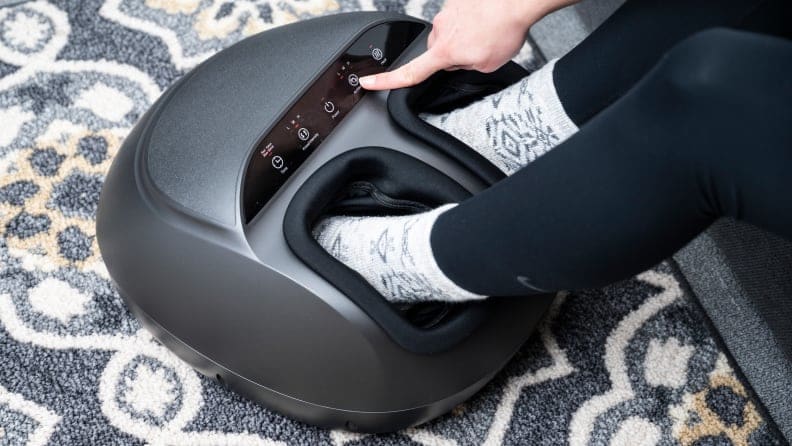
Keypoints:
pixel 629 364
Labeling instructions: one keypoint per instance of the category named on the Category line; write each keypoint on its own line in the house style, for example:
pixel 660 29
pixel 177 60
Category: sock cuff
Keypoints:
pixel 425 255
pixel 551 104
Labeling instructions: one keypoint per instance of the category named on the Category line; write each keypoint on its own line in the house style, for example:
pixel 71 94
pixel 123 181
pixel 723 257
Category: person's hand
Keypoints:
pixel 471 35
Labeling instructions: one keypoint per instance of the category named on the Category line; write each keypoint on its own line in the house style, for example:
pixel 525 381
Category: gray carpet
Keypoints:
pixel 629 364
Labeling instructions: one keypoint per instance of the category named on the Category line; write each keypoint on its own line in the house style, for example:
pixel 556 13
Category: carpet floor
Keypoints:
pixel 629 364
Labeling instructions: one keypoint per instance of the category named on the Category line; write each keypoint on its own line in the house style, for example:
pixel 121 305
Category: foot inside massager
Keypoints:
pixel 205 216
pixel 380 181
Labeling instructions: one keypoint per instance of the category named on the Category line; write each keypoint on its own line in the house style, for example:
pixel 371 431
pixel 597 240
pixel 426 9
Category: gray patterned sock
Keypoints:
pixel 521 122
pixel 393 254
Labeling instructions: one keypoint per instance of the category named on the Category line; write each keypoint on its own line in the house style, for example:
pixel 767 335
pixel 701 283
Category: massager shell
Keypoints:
pixel 218 280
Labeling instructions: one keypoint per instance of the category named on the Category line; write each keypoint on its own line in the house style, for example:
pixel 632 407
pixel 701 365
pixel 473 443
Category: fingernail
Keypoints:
pixel 367 81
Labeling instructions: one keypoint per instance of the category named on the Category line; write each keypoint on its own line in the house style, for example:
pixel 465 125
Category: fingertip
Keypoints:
pixel 407 75
pixel 368 82
pixel 382 81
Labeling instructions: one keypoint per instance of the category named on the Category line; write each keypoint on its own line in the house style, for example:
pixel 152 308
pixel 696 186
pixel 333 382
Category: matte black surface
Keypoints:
pixel 232 299
pixel 613 60
pixel 201 137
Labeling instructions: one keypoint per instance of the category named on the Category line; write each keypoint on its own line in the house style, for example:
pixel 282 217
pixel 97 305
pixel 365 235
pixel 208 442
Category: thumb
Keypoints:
pixel 414 72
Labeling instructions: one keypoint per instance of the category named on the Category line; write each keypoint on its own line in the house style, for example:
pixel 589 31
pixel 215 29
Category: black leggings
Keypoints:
pixel 673 136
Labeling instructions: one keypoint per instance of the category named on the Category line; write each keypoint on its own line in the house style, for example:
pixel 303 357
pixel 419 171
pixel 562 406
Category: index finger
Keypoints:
pixel 414 72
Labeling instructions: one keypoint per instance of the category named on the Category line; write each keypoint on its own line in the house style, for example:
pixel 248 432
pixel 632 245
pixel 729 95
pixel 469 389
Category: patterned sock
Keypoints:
pixel 393 254
pixel 521 122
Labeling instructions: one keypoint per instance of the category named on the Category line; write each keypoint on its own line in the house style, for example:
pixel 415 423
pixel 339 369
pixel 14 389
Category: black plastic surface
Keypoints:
pixel 233 300
pixel 323 106
pixel 205 132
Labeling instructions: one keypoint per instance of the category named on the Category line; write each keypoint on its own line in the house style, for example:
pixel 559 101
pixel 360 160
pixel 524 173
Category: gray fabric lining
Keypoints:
pixel 737 274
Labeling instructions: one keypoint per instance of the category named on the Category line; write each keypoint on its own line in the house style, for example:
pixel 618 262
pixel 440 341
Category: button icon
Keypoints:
pixel 303 134
pixel 329 107
pixel 353 80
pixel 376 53
pixel 277 162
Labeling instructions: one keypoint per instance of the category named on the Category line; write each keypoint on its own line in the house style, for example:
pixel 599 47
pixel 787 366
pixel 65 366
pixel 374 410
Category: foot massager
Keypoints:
pixel 206 215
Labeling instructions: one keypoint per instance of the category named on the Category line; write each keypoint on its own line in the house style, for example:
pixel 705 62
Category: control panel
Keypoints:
pixel 301 130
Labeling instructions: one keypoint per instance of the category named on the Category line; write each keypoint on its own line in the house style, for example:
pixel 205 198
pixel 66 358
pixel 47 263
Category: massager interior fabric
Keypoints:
pixel 205 224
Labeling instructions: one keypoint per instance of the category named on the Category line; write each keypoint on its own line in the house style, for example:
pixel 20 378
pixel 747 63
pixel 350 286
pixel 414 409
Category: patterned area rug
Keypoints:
pixel 629 364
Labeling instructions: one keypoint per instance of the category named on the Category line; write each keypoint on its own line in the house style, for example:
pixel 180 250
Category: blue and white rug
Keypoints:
pixel 630 364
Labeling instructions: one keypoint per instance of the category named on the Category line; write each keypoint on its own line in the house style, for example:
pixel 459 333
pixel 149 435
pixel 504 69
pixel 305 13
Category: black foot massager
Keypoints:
pixel 205 225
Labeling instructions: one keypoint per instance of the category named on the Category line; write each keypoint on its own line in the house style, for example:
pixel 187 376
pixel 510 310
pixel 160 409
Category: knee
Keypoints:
pixel 697 66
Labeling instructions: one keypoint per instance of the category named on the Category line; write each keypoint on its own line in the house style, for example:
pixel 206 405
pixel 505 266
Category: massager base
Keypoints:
pixel 321 416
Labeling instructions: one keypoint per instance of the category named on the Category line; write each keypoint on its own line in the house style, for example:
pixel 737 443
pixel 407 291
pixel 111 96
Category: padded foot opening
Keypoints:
pixel 446 91
pixel 379 181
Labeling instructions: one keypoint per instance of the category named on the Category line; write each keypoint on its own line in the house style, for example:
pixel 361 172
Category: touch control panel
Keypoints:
pixel 314 115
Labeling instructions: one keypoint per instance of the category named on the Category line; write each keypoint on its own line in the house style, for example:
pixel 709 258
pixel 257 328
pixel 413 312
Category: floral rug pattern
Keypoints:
pixel 629 364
